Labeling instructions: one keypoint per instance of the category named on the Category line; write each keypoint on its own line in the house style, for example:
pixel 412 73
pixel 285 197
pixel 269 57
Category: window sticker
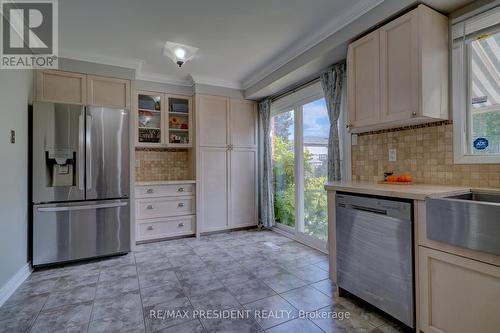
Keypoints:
pixel 480 143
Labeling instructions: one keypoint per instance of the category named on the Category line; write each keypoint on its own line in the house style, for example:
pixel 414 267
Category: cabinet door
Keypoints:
pixel 60 87
pixel 363 81
pixel 457 295
pixel 399 68
pixel 212 190
pixel 108 92
pixel 243 123
pixel 243 187
pixel 178 121
pixel 149 119
pixel 212 121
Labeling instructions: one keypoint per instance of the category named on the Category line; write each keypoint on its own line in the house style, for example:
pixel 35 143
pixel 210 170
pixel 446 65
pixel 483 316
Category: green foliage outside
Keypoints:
pixel 315 206
pixel 488 125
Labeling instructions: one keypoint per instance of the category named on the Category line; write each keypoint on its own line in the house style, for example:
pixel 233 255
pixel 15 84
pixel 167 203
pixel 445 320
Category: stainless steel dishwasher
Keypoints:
pixel 375 253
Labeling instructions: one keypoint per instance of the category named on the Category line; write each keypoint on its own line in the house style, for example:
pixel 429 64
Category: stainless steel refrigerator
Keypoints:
pixel 80 182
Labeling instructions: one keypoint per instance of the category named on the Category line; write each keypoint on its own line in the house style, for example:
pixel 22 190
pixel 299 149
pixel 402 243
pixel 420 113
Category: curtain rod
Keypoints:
pixel 303 85
pixel 295 89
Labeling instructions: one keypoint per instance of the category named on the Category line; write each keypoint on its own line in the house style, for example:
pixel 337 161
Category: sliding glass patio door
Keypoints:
pixel 300 149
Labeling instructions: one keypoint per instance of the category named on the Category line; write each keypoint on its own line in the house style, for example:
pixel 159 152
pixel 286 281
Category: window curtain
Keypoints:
pixel 332 81
pixel 266 181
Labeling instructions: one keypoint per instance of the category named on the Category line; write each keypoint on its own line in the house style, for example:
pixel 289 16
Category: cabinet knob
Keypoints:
pixel 150 190
pixel 414 114
pixel 149 207
pixel 181 224
pixel 181 204
pixel 150 227
pixel 180 189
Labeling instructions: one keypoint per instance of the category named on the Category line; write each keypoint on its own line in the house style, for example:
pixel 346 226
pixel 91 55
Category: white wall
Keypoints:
pixel 15 92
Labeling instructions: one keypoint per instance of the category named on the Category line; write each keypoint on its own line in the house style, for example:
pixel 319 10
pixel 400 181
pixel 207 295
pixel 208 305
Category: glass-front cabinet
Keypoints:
pixel 178 121
pixel 163 120
pixel 149 119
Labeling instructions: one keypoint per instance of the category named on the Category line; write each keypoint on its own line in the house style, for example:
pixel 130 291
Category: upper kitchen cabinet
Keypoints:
pixel 149 119
pixel 243 123
pixel 364 81
pixel 164 120
pixel 179 121
pixel 108 92
pixel 77 88
pixel 412 62
pixel 213 120
pixel 60 87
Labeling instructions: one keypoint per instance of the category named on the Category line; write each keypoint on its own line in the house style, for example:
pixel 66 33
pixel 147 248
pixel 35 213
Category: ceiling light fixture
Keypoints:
pixel 179 53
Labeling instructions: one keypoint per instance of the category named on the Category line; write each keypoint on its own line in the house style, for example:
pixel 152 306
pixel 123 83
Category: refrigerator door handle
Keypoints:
pixel 81 152
pixel 82 207
pixel 88 143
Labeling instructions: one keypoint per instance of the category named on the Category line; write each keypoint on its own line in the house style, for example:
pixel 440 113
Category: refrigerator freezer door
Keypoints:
pixel 107 153
pixel 58 152
pixel 78 230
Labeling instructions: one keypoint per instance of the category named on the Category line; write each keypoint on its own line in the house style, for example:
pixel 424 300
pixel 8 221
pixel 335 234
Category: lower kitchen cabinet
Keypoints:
pixel 243 187
pixel 165 227
pixel 164 211
pixel 213 189
pixel 457 294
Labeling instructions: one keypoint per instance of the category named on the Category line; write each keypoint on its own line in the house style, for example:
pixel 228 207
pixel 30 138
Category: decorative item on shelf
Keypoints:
pixel 147 102
pixel 144 121
pixel 157 106
pixel 175 138
pixel 179 107
pixel 184 126
pixel 174 122
pixel 149 135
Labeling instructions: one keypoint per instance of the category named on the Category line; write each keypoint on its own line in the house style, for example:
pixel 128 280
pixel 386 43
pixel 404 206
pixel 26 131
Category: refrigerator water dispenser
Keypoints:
pixel 61 164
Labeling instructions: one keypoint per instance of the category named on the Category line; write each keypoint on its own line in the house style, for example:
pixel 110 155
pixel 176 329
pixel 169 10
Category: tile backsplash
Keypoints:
pixel 161 164
pixel 425 152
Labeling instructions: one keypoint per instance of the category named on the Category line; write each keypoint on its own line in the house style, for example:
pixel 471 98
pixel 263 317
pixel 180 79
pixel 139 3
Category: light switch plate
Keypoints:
pixel 354 139
pixel 392 155
pixel 137 163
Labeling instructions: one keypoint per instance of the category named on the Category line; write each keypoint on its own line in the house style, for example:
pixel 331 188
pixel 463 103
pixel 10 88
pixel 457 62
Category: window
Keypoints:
pixel 476 88
pixel 300 129
pixel 283 157
pixel 315 131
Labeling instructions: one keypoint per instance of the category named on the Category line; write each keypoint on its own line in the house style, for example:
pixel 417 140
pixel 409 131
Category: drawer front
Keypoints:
pixel 162 228
pixel 164 207
pixel 164 190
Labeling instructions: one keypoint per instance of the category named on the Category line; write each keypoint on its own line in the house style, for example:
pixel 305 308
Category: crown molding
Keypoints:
pixel 163 78
pixel 140 74
pixel 329 29
pixel 101 59
pixel 200 79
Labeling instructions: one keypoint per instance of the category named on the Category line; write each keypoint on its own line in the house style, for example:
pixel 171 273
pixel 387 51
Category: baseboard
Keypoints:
pixel 10 287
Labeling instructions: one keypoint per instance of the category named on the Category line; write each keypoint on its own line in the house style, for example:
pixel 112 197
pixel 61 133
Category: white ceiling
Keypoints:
pixel 239 41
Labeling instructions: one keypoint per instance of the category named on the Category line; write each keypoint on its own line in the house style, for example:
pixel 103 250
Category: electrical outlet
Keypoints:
pixel 137 163
pixel 12 136
pixel 354 139
pixel 392 155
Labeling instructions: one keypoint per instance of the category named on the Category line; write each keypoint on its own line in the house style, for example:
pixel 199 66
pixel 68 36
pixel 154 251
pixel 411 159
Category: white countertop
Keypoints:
pixel 413 191
pixel 164 182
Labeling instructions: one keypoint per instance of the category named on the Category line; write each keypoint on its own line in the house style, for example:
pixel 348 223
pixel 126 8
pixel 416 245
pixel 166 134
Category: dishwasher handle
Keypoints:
pixel 370 209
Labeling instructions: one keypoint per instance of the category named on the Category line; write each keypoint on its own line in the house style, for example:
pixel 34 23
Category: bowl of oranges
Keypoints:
pixel 397 179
